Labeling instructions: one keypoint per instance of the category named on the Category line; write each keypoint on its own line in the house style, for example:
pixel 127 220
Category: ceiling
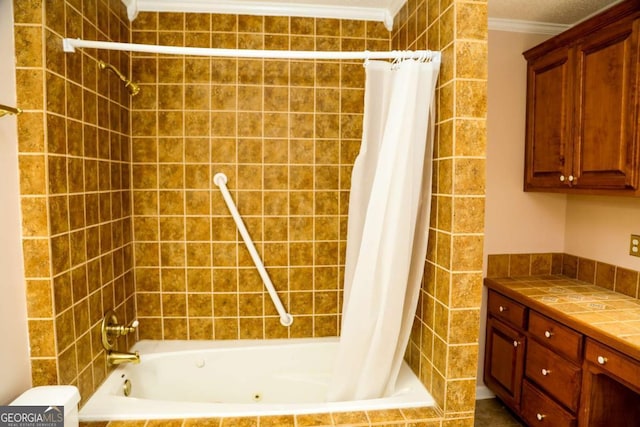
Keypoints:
pixel 557 14
pixel 565 12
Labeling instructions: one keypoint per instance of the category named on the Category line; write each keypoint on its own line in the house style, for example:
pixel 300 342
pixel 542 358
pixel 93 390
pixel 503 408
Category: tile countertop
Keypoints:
pixel 607 316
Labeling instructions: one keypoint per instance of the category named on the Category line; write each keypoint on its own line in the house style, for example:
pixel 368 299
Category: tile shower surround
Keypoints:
pixel 74 161
pixel 284 132
pixel 443 347
pixel 169 167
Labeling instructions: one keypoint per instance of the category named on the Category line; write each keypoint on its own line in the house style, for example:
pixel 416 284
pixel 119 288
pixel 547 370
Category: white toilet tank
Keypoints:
pixel 53 395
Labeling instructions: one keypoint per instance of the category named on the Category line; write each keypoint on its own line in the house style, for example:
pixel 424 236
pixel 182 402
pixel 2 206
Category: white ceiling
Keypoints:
pixel 557 13
pixel 566 12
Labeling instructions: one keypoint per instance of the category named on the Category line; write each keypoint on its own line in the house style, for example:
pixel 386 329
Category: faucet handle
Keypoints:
pixel 121 330
pixel 131 327
pixel 111 330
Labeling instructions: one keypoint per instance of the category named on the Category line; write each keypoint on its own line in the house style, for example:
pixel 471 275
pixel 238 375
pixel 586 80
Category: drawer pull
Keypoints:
pixel 602 360
pixel 540 416
pixel 502 309
pixel 548 334
pixel 545 372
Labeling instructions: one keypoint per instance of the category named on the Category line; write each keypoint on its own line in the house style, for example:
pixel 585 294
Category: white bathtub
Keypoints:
pixel 186 379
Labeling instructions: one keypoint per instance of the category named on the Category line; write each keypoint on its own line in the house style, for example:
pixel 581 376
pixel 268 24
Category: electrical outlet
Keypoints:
pixel 634 245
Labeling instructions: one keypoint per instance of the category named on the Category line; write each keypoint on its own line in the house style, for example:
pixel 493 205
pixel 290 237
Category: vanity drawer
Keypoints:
pixel 555 335
pixel 540 410
pixel 555 375
pixel 616 363
pixel 506 309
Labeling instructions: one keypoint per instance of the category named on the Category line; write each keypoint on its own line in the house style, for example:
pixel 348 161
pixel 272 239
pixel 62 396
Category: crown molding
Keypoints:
pixel 269 8
pixel 518 26
pixel 394 7
pixel 306 9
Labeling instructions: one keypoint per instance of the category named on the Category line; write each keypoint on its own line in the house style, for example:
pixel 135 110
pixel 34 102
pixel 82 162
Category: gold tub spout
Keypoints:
pixel 118 358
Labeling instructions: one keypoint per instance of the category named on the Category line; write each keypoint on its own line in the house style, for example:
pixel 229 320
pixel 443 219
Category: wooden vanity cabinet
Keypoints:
pixel 582 132
pixel 532 363
pixel 611 388
pixel 554 375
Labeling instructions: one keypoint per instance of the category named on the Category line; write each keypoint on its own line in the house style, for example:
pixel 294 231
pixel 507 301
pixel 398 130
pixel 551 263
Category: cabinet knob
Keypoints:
pixel 516 343
pixel 502 309
pixel 562 178
pixel 545 372
pixel 602 360
pixel 548 334
pixel 571 178
pixel 540 416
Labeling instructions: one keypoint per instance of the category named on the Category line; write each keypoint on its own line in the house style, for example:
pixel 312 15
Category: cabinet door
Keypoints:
pixel 504 362
pixel 606 145
pixel 548 138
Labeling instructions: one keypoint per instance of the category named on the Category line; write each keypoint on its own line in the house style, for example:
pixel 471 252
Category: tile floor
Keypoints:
pixel 492 413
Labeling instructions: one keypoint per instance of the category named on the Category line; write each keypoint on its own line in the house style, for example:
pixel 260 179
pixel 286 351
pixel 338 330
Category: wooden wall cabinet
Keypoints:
pixel 582 132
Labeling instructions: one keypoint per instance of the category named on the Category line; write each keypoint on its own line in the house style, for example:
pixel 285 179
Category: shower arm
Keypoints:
pixel 5 109
pixel 132 87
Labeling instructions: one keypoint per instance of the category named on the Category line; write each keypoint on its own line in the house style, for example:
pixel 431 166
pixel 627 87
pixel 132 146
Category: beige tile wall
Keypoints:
pixel 444 342
pixel 74 181
pixel 284 132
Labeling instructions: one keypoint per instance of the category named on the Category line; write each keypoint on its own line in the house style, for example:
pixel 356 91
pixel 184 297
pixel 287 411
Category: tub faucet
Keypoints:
pixel 118 358
pixel 110 331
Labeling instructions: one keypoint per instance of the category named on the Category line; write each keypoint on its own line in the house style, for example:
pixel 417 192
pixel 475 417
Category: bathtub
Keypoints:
pixel 188 379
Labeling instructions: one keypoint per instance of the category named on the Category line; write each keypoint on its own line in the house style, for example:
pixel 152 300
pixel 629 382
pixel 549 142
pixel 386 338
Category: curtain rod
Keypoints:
pixel 70 45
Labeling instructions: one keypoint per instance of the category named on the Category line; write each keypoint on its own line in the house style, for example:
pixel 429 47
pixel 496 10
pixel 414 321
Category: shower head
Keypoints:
pixel 132 87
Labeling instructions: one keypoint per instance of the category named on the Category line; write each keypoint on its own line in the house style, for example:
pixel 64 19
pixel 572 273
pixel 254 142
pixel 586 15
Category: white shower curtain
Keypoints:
pixel 387 229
